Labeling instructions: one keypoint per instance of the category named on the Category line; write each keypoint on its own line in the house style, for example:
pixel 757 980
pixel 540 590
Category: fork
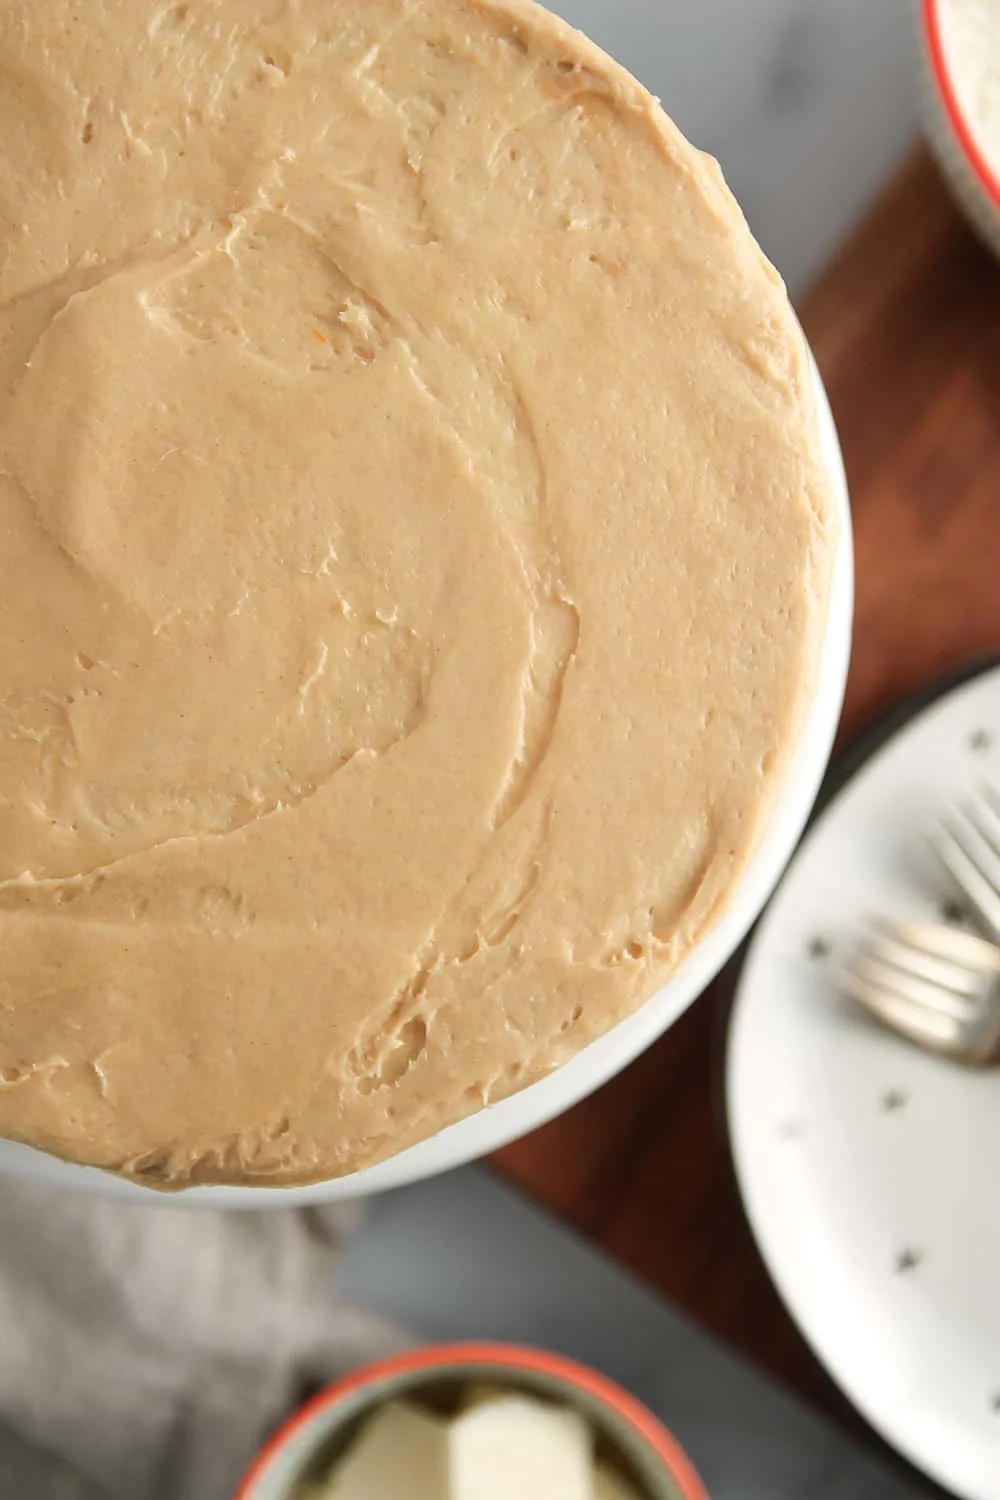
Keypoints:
pixel 935 985
pixel 968 845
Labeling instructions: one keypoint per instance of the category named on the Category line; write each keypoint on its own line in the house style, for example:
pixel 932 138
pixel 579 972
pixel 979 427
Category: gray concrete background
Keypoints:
pixel 808 104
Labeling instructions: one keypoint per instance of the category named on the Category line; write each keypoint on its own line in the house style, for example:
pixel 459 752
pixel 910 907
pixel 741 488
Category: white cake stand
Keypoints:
pixel 495 1126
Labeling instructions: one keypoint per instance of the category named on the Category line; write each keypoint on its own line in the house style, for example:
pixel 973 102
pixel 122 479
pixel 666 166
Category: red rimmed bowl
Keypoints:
pixel 626 1432
pixel 955 134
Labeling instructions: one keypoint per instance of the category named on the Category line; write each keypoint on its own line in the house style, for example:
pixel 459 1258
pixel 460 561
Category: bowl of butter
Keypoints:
pixel 473 1422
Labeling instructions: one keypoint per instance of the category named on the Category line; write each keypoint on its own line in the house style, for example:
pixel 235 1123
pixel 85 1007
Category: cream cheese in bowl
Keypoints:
pixel 504 1444
pixel 473 1422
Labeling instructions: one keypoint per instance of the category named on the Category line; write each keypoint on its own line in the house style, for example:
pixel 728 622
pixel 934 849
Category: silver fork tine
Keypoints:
pixel 964 948
pixel 959 849
pixel 991 797
pixel 938 986
pixel 925 1027
pixel 920 963
pixel 977 823
pixel 897 985
pixel 987 811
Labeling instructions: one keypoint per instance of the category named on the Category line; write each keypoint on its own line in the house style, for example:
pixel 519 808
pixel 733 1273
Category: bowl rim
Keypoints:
pixel 492 1356
pixel 957 117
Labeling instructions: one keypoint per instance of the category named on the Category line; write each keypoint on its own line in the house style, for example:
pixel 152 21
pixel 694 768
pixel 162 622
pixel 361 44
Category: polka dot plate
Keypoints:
pixel 870 1171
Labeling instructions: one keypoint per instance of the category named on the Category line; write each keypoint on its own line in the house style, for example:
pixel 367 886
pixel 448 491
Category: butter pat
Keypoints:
pixel 500 1446
pixel 400 1452
pixel 516 1447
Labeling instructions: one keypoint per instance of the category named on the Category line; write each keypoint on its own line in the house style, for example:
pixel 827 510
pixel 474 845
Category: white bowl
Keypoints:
pixel 501 1123
pixel 319 1433
pixel 951 130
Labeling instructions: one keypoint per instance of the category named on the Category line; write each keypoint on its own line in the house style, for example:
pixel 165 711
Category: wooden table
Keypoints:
pixel 906 329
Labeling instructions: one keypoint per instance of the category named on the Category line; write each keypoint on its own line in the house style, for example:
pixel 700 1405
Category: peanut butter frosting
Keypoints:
pixel 415 553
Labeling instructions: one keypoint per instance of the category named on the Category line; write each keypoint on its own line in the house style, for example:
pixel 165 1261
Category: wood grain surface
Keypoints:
pixel 906 329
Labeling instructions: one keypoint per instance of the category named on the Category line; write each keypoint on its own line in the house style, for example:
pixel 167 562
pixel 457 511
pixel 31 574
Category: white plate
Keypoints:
pixel 494 1127
pixel 870 1171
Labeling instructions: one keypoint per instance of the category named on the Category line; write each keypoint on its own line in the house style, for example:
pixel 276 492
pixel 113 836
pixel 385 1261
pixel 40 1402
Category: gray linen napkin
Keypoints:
pixel 145 1352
